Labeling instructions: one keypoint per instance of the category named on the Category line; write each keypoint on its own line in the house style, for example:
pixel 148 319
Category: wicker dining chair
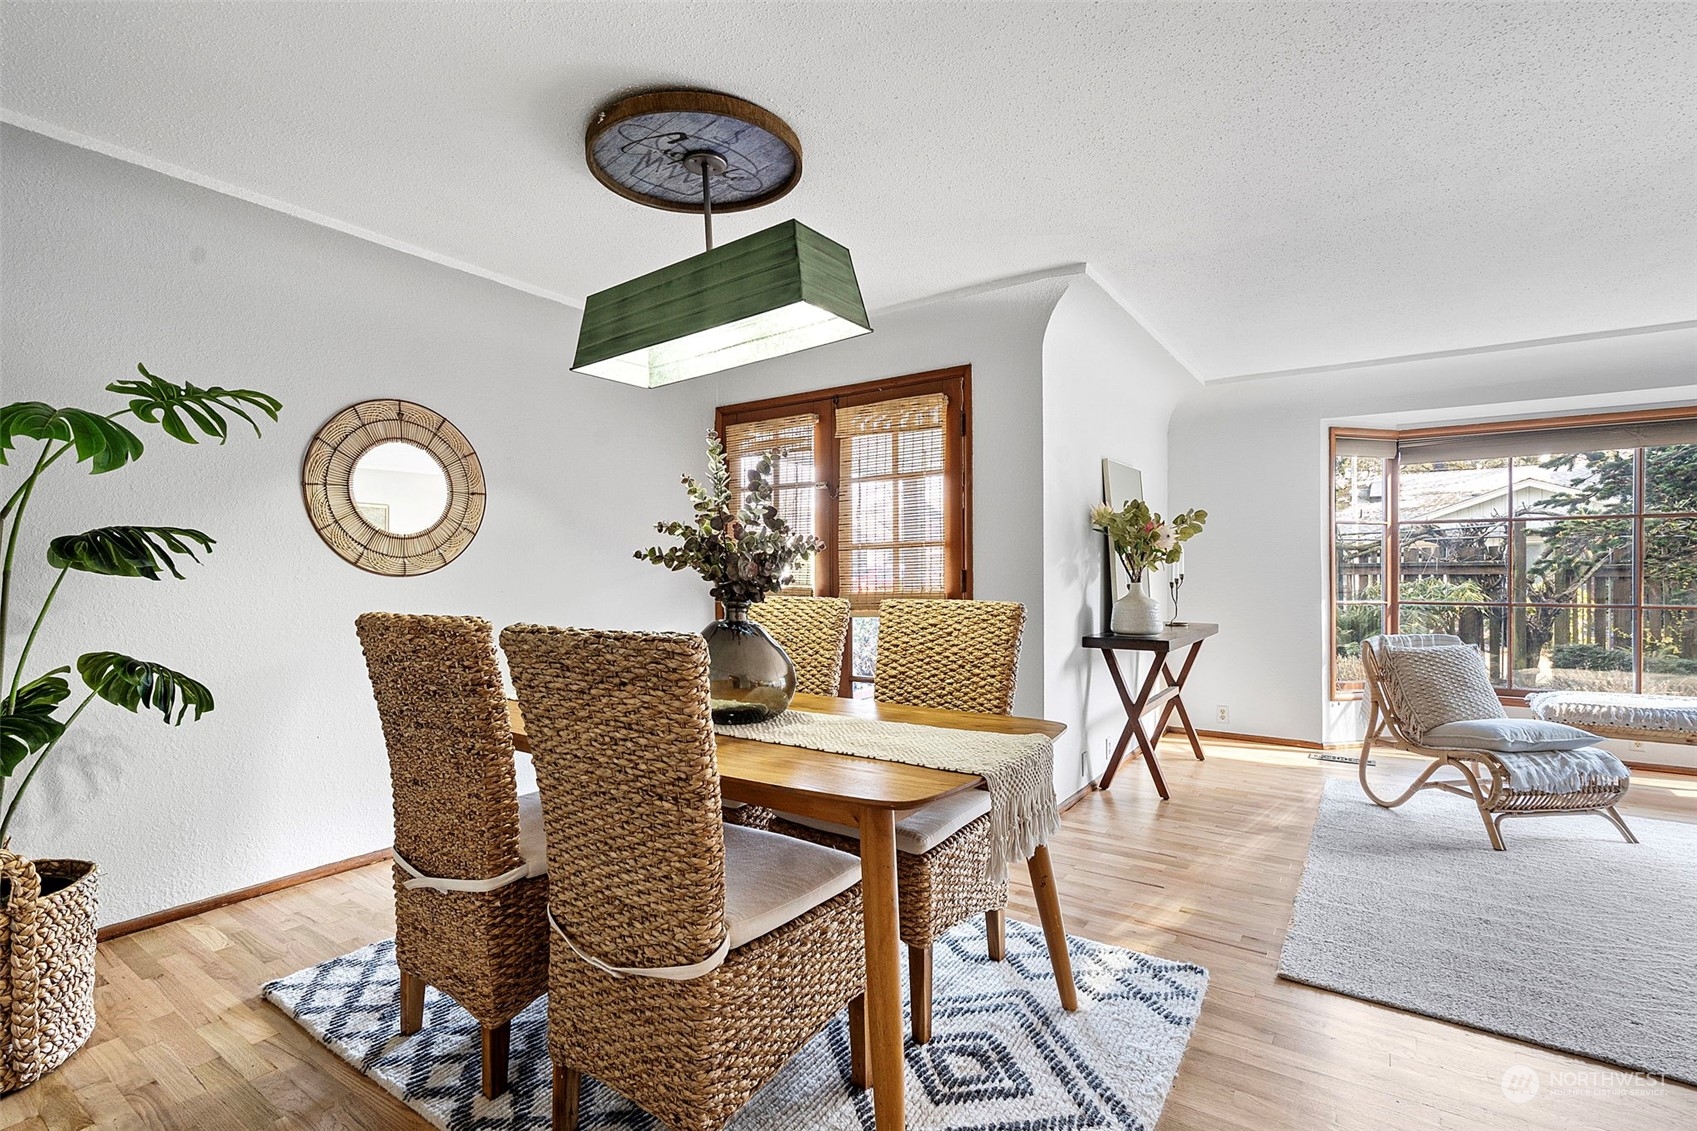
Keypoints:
pixel 1491 779
pixel 470 867
pixel 955 656
pixel 813 630
pixel 690 958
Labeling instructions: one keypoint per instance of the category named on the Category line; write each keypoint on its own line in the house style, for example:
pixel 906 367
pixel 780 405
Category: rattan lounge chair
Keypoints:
pixel 813 630
pixel 1492 780
pixel 690 958
pixel 470 867
pixel 956 656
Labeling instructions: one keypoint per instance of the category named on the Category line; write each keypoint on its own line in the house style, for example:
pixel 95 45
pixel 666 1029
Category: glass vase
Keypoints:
pixel 750 677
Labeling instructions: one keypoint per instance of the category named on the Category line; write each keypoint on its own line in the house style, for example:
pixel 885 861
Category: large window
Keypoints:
pixel 1566 551
pixel 879 471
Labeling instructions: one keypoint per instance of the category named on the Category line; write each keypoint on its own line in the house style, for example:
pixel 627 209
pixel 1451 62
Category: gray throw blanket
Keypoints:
pixel 1018 768
pixel 1562 771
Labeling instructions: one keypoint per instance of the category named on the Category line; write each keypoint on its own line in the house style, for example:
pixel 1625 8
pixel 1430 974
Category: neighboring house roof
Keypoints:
pixel 1469 493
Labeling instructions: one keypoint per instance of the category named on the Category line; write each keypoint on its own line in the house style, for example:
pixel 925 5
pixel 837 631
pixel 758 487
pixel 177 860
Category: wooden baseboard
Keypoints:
pixel 1078 796
pixel 1265 740
pixel 172 914
pixel 1656 768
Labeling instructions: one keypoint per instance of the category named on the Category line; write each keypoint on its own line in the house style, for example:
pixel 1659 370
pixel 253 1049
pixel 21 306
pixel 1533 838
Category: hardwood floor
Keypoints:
pixel 184 1041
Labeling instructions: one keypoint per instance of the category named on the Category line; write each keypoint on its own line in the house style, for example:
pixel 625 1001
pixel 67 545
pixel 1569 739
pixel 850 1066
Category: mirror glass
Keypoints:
pixel 399 487
pixel 1121 483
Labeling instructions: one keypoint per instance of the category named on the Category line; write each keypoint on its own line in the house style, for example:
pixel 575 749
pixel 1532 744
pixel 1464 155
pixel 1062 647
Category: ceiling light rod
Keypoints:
pixel 706 166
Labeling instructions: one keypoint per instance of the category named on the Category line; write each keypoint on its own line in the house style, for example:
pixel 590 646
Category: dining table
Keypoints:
pixel 871 794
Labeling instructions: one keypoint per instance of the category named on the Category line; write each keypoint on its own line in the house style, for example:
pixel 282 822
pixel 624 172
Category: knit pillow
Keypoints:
pixel 1429 687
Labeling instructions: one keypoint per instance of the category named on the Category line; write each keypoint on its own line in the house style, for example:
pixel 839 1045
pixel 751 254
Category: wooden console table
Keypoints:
pixel 1162 647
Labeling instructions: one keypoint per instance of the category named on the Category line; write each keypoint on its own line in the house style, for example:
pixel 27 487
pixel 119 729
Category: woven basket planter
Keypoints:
pixel 47 937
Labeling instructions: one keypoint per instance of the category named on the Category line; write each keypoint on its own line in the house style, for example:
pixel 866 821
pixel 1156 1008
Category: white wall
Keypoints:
pixel 1000 334
pixel 1254 454
pixel 104 265
pixel 1109 391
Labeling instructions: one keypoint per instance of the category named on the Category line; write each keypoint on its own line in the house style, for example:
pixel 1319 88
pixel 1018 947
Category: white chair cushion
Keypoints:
pixel 533 846
pixel 923 829
pixel 771 879
pixel 1509 735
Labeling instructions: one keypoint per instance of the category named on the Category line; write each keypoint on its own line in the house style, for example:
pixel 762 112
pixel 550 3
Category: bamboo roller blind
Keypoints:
pixel 891 531
pixel 794 477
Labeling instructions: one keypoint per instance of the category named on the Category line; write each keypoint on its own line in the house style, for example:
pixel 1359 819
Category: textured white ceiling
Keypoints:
pixel 1266 186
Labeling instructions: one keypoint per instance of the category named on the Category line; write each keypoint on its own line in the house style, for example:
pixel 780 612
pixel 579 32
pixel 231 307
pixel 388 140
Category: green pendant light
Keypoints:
pixel 776 292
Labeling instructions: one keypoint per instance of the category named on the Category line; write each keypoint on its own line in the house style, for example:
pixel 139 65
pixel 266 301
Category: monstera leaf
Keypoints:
pixel 130 683
pixel 26 719
pixel 126 551
pixel 102 442
pixel 158 401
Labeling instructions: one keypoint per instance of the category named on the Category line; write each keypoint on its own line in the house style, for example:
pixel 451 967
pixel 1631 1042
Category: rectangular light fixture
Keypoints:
pixel 775 292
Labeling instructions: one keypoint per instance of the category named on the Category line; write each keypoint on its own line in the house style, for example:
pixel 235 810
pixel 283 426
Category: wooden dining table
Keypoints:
pixel 871 794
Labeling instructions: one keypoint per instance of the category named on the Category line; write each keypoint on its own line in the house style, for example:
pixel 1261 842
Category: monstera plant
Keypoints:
pixel 33 721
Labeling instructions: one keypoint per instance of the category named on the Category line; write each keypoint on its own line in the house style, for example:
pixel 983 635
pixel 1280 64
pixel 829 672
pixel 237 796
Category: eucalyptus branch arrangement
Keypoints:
pixel 30 726
pixel 1141 538
pixel 744 553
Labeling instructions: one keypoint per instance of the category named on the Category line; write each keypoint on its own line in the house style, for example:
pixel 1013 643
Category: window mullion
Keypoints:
pixel 1391 565
pixel 1639 621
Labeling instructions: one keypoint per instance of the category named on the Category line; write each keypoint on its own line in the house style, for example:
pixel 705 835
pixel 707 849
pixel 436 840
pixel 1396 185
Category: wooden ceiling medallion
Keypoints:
pixel 328 469
pixel 637 145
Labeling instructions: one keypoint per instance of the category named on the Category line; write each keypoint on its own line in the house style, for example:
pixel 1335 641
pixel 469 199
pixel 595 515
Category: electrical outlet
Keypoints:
pixel 1637 745
pixel 1222 714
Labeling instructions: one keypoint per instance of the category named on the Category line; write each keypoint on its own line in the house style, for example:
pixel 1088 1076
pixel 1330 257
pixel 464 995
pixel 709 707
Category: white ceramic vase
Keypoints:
pixel 1136 614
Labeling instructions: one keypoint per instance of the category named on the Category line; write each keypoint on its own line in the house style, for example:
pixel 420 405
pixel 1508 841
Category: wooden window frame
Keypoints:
pixel 1354 693
pixel 1391 558
pixel 955 383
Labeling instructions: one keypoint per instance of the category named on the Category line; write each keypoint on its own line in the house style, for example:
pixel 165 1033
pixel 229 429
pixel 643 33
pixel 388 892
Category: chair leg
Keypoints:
pixel 1620 823
pixel 497 1039
pixel 1491 829
pixel 567 1084
pixel 996 933
pixel 919 991
pixel 860 1069
pixel 412 1003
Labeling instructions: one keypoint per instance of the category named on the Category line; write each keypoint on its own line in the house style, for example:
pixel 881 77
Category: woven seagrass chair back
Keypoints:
pixel 952 655
pixel 622 739
pixel 1373 651
pixel 444 713
pixel 812 630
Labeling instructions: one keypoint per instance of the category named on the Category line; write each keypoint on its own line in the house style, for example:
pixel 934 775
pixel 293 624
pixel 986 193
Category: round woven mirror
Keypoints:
pixel 393 487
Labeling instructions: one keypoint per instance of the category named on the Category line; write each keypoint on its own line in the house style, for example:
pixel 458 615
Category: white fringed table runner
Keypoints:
pixel 1018 768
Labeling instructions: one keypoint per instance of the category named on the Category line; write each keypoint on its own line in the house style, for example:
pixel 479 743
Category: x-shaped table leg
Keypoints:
pixel 1133 725
pixel 1177 702
pixel 1139 705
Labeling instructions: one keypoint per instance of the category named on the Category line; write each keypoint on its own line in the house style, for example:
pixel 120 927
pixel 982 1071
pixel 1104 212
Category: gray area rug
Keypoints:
pixel 1572 938
pixel 1003 1054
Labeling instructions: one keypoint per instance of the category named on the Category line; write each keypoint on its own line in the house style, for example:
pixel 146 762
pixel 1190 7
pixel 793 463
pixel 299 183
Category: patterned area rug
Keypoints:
pixel 1572 938
pixel 1003 1053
